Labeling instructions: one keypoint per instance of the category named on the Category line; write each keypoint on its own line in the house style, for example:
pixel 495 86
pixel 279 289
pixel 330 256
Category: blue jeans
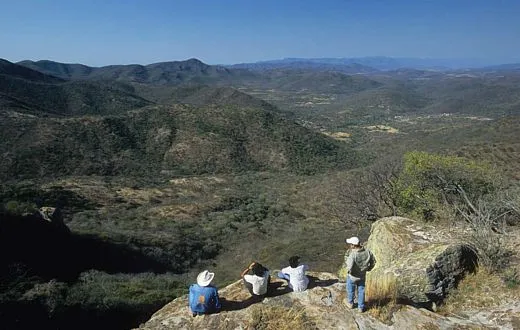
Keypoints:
pixel 351 287
pixel 283 276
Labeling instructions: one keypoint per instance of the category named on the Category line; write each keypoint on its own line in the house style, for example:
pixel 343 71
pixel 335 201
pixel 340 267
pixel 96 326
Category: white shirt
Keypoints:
pixel 259 283
pixel 298 281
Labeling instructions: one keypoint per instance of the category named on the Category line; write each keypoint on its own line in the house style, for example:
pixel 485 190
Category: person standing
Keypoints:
pixel 295 274
pixel 203 297
pixel 359 262
pixel 256 283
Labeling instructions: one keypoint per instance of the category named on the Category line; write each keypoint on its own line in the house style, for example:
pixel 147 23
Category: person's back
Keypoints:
pixel 256 283
pixel 359 262
pixel 298 281
pixel 203 297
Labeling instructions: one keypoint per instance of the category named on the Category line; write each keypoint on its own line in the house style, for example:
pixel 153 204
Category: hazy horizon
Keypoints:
pixel 99 33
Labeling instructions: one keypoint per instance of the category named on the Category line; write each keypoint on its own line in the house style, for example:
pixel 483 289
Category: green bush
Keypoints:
pixel 49 294
pixel 19 208
pixel 103 291
pixel 428 182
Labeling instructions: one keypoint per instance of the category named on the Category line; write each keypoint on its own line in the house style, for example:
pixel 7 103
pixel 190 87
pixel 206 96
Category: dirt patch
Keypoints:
pixel 382 128
pixel 341 136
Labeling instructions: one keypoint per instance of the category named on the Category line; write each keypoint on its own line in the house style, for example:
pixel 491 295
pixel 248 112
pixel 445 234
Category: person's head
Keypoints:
pixel 294 261
pixel 258 269
pixel 204 278
pixel 353 241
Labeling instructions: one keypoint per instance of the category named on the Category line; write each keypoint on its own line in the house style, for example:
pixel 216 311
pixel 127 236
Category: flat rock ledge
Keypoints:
pixel 323 307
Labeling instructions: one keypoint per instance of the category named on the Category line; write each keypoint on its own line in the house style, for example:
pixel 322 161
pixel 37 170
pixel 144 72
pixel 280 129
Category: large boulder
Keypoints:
pixel 416 262
pixel 319 307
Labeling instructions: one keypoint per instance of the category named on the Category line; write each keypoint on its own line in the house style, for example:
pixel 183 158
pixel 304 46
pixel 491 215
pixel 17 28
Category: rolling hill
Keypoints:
pixel 320 82
pixel 32 92
pixel 18 71
pixel 191 71
pixel 473 95
pixel 176 139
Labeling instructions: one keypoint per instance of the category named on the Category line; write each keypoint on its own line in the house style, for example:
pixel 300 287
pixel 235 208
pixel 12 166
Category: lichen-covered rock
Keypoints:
pixel 54 216
pixel 421 263
pixel 319 307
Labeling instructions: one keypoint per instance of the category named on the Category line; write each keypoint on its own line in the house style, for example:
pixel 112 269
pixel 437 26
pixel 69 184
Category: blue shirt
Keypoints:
pixel 204 299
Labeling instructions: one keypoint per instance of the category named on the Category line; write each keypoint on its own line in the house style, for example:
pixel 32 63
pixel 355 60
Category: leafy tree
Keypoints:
pixel 430 181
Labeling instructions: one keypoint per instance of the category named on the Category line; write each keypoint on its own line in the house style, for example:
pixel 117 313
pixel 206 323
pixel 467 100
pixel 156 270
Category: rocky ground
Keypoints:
pixel 320 307
pixel 418 266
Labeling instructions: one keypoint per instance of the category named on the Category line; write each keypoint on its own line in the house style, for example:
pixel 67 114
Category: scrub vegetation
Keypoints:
pixel 161 171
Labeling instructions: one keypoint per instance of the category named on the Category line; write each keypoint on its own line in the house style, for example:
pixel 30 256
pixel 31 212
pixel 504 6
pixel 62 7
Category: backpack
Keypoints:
pixel 366 267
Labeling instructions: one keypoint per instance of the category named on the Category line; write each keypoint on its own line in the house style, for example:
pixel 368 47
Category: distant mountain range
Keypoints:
pixel 164 73
pixel 192 72
pixel 61 89
pixel 196 72
pixel 366 64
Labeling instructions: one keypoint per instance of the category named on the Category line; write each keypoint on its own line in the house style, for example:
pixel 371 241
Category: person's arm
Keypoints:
pixel 372 261
pixel 217 301
pixel 247 269
pixel 350 262
pixel 192 298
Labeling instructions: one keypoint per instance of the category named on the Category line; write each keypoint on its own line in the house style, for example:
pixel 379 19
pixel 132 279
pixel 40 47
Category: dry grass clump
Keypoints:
pixel 381 296
pixel 280 318
pixel 381 289
pixel 482 289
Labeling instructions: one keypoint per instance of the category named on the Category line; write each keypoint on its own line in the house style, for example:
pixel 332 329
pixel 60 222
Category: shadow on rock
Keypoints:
pixel 234 305
pixel 316 282
pixel 277 289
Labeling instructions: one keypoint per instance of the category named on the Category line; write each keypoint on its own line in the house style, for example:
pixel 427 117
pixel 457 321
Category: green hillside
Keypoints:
pixel 176 139
pixel 203 95
pixel 18 71
pixel 328 82
pixel 480 96
pixel 31 92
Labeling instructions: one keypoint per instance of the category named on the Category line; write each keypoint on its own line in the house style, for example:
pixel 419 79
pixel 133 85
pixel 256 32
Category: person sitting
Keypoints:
pixel 203 297
pixel 257 282
pixel 295 274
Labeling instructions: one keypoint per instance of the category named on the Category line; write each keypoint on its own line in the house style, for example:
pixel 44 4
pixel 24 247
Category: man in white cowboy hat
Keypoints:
pixel 203 297
pixel 359 261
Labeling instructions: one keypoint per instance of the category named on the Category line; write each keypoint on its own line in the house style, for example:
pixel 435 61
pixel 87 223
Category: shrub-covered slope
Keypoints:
pixel 29 91
pixel 19 71
pixel 177 139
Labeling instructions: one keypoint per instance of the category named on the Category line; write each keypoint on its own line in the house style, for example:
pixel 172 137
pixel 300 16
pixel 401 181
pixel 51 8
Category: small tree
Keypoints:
pixel 429 183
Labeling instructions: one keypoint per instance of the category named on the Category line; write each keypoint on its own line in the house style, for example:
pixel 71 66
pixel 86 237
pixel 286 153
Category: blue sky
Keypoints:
pixel 102 32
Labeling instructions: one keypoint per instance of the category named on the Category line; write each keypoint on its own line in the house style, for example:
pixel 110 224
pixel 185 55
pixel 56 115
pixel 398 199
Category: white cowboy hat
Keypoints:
pixel 353 240
pixel 205 278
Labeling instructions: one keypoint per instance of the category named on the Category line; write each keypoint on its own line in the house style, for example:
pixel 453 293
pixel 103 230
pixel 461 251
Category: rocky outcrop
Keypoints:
pixel 320 307
pixel 416 262
pixel 54 216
